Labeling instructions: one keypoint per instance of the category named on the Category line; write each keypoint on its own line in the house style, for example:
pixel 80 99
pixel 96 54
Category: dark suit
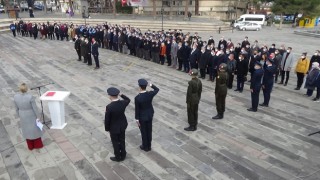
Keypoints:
pixel 77 47
pixel 194 58
pixel 95 53
pixel 241 71
pixel 116 123
pixel 255 87
pixel 268 80
pixel 144 113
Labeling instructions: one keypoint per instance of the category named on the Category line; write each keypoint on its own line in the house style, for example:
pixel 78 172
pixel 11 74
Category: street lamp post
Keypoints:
pixel 162 16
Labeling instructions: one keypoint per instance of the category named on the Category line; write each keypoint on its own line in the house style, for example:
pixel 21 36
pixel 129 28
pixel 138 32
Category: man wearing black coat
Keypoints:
pixel 95 53
pixel 144 112
pixel 186 55
pixel 77 47
pixel 116 122
pixel 194 57
pixel 268 79
pixel 255 87
pixel 87 49
pixel 203 62
pixel 180 56
pixel 115 42
pixel 241 71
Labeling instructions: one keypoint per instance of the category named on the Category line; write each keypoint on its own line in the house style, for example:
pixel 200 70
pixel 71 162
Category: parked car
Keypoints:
pixel 237 24
pixel 250 26
pixel 1 9
pixel 38 5
pixel 23 6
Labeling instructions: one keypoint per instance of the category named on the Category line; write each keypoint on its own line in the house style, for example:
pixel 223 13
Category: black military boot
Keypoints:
pixel 218 116
pixel 190 128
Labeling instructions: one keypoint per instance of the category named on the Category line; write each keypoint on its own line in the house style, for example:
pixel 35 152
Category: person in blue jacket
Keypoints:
pixel 268 79
pixel 144 112
pixel 256 86
pixel 13 29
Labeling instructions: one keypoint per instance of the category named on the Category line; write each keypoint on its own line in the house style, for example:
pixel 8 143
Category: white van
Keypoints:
pixel 251 18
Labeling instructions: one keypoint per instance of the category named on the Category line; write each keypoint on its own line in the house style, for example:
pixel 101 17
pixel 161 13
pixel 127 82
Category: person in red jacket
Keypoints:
pixel 163 53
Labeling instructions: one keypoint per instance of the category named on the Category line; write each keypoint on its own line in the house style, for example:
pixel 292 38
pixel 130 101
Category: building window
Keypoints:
pixel 174 3
pixel 190 2
pixel 166 3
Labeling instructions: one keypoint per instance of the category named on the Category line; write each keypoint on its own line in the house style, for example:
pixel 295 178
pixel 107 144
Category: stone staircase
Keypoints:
pixel 144 25
pixel 4 25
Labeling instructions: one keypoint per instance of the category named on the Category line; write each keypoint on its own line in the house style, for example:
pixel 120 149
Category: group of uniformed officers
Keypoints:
pixel 116 121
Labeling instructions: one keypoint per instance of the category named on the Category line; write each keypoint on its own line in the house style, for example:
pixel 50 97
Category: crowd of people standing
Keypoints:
pixel 182 51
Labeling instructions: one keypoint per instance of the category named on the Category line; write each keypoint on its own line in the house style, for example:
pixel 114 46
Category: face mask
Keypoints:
pixel 231 50
pixel 247 46
pixel 212 54
pixel 272 46
pixel 264 49
pixel 228 52
pixel 288 51
pixel 316 54
pixel 242 51
pixel 303 57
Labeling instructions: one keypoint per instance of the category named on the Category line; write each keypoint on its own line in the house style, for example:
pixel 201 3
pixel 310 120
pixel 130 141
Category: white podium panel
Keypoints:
pixel 56 107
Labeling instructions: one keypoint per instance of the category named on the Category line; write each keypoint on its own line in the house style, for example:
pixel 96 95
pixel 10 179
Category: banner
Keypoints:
pixel 137 2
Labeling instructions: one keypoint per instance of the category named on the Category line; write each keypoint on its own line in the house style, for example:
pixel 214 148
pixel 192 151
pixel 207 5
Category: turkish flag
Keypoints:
pixel 123 2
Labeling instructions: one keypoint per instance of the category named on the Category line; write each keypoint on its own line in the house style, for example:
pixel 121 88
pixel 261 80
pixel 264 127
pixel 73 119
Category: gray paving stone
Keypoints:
pixel 87 170
pixel 106 170
pixel 123 172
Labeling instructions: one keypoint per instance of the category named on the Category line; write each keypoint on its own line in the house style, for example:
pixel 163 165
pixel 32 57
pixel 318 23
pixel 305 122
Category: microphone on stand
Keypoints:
pixel 37 87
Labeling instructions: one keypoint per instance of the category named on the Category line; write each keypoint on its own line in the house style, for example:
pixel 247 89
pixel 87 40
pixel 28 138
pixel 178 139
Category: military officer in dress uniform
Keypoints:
pixel 268 79
pixel 256 86
pixel 221 91
pixel 144 112
pixel 193 99
pixel 116 122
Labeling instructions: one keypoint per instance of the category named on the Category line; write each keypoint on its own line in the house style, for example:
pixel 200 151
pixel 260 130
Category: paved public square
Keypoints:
pixel 271 144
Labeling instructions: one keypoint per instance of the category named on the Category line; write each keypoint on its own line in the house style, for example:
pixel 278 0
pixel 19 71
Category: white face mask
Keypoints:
pixel 303 57
pixel 212 54
pixel 276 52
pixel 288 51
pixel 316 54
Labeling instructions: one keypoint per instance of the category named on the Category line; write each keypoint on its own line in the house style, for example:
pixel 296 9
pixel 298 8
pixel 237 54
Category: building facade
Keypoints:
pixel 219 9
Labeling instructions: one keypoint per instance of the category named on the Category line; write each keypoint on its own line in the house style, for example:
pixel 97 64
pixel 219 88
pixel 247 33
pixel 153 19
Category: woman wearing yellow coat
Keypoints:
pixel 302 69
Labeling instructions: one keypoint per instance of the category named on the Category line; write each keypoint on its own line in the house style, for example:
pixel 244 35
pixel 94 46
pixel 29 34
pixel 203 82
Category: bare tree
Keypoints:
pixel 186 9
pixel 114 8
pixel 170 13
pixel 154 9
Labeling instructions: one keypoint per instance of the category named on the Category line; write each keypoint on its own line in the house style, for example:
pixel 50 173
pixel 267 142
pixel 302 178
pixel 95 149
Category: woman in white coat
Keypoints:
pixel 27 111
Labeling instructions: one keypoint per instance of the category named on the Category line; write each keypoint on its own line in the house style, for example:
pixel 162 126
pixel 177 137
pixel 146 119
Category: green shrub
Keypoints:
pixel 123 9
